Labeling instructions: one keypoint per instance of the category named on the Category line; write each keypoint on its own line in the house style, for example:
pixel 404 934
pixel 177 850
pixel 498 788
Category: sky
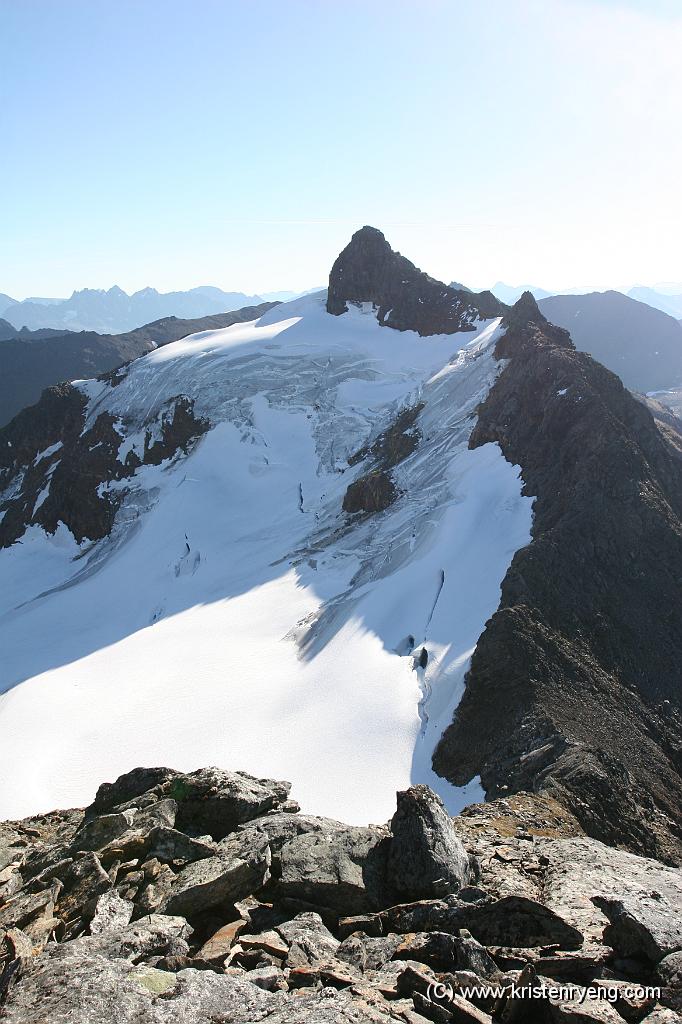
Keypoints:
pixel 240 143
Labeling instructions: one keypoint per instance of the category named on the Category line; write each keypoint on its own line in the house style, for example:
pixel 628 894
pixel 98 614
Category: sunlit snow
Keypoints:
pixel 236 616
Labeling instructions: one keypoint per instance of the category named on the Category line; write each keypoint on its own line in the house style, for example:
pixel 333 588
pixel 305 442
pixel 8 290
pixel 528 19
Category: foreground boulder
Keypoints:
pixel 426 856
pixel 89 987
pixel 238 869
pixel 632 903
pixel 343 868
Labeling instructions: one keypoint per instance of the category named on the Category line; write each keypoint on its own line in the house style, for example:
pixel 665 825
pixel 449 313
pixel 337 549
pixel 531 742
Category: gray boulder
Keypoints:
pixel 279 827
pixel 341 868
pixel 662 1015
pixel 160 812
pixel 437 950
pixel 642 928
pixel 472 956
pixel 366 952
pixel 168 844
pixel 128 787
pixel 155 935
pixel 98 832
pixel 27 907
pixel 11 881
pixel 309 939
pixel 520 922
pixel 215 802
pixel 669 973
pixel 158 880
pixel 84 879
pixel 584 877
pixel 240 868
pixel 426 857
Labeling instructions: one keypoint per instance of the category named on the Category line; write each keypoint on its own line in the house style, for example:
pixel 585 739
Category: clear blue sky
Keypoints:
pixel 240 142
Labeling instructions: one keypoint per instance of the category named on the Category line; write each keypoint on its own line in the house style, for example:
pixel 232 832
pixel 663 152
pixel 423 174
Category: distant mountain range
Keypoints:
pixel 510 293
pixel 641 344
pixel 629 334
pixel 666 297
pixel 668 303
pixel 114 311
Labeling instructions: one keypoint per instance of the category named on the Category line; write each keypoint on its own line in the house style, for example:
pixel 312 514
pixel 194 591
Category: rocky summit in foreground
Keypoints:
pixel 208 897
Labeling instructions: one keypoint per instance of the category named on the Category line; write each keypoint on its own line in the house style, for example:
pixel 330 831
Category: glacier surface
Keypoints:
pixel 236 616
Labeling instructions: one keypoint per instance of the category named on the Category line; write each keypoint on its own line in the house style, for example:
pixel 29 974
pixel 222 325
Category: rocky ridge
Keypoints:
pixel 574 685
pixel 209 896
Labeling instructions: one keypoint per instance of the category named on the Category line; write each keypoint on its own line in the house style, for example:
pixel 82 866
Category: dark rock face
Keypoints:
pixel 371 493
pixel 395 443
pixel 375 490
pixel 52 463
pixel 226 939
pixel 406 299
pixel 574 684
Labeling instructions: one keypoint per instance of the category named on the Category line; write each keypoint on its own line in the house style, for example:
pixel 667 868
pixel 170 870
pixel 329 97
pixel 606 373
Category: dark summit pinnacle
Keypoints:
pixel 358 270
pixel 406 298
pixel 524 311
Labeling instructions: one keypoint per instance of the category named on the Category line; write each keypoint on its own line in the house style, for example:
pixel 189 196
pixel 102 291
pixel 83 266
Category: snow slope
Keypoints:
pixel 236 616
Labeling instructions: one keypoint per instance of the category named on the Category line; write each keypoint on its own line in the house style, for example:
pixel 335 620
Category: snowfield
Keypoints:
pixel 237 616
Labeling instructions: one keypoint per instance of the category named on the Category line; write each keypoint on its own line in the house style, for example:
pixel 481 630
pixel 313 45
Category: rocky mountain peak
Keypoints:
pixel 406 298
pixel 526 310
pixel 358 270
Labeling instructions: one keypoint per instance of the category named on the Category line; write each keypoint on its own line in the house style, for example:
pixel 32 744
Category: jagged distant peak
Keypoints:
pixel 114 311
pixel 406 298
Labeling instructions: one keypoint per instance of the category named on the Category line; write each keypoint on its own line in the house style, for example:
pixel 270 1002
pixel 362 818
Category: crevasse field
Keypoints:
pixel 236 616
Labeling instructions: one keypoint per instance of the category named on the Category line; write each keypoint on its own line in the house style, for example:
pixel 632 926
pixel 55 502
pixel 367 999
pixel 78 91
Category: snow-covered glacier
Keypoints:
pixel 236 615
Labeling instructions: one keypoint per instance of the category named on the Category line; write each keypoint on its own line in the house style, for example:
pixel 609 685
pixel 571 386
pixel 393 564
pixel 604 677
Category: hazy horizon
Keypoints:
pixel 241 145
pixel 664 288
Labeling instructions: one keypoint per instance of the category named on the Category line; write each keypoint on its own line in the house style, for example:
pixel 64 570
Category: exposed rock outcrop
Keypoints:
pixel 371 493
pixel 574 684
pixel 406 298
pixel 236 941
pixel 55 462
